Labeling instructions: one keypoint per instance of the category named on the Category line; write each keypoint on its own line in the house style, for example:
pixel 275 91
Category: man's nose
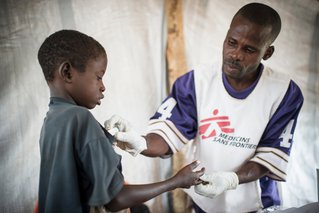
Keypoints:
pixel 236 54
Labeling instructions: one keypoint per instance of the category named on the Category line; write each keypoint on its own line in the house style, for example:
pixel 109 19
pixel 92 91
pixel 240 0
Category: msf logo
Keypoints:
pixel 210 127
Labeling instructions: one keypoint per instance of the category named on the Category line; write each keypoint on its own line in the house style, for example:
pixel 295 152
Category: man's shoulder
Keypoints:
pixel 274 81
pixel 275 76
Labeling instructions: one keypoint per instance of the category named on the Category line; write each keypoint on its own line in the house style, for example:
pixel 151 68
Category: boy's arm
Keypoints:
pixel 131 195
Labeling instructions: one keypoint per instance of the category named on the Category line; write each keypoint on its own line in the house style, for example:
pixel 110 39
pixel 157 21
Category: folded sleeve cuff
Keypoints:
pixel 167 130
pixel 273 159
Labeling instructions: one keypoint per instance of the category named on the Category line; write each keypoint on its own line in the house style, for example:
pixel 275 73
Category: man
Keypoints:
pixel 239 115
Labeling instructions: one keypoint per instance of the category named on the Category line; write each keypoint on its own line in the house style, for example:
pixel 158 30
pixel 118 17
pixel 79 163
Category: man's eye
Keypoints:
pixel 249 50
pixel 99 78
pixel 231 42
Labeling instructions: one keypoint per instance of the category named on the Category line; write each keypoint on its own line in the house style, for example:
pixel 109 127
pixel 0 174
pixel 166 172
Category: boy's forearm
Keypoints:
pixel 132 195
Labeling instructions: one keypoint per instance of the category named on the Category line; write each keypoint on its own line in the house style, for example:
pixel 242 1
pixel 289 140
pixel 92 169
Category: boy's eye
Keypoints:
pixel 99 78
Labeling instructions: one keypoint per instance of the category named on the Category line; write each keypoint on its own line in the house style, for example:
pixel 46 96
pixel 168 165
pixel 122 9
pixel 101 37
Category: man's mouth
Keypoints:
pixel 232 67
pixel 232 64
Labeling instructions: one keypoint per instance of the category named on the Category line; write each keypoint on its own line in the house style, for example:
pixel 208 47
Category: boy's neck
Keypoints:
pixel 58 90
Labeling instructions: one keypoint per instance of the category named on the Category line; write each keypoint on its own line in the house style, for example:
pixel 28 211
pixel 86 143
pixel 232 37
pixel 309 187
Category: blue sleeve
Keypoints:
pixel 176 118
pixel 280 129
pixel 274 148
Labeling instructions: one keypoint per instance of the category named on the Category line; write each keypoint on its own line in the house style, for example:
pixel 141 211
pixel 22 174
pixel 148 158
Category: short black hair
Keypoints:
pixel 262 15
pixel 67 45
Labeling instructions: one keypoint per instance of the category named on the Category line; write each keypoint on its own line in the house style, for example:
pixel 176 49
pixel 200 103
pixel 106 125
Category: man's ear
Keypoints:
pixel 65 72
pixel 270 50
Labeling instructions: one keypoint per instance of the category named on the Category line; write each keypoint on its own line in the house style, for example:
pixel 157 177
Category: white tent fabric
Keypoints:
pixel 133 34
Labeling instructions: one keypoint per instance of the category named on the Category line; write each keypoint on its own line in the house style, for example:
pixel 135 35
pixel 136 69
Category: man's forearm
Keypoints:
pixel 156 146
pixel 251 171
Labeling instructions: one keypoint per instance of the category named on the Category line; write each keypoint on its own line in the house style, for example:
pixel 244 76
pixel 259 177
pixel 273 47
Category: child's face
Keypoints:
pixel 88 87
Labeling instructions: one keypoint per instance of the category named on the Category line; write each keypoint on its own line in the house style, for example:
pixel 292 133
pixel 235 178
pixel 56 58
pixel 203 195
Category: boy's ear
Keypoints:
pixel 65 72
pixel 270 50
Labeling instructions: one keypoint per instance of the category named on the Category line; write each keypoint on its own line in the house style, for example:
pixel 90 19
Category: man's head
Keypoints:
pixel 73 65
pixel 252 31
pixel 262 15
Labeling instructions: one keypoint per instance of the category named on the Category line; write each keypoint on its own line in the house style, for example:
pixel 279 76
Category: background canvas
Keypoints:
pixel 134 35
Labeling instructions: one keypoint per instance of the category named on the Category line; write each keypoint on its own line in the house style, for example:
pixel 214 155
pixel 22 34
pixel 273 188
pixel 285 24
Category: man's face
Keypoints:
pixel 88 87
pixel 244 47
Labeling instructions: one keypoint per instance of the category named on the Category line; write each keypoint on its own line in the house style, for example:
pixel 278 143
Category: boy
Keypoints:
pixel 79 168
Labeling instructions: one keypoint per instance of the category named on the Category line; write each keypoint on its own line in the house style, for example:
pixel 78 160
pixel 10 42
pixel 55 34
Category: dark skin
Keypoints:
pixel 245 45
pixel 86 89
pixel 250 171
pixel 131 195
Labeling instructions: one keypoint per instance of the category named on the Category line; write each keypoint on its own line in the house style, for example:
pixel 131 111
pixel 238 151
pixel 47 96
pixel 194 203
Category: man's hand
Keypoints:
pixel 127 139
pixel 117 122
pixel 131 142
pixel 216 183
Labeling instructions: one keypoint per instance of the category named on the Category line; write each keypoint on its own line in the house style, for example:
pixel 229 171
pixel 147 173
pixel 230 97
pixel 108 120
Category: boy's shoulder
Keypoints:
pixel 67 110
pixel 80 113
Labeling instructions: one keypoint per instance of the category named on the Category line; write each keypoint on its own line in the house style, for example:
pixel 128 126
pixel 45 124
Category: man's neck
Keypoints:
pixel 243 83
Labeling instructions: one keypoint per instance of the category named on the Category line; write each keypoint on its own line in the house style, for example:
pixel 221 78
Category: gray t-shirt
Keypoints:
pixel 79 167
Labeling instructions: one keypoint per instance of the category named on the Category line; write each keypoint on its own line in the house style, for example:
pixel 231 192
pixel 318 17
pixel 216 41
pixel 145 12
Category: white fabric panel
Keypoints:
pixel 132 33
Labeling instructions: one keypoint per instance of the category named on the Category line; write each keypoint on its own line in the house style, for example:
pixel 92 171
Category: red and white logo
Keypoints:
pixel 210 127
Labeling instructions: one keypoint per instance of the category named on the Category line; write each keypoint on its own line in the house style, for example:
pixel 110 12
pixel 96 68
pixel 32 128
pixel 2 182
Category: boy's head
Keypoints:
pixel 74 65
pixel 67 45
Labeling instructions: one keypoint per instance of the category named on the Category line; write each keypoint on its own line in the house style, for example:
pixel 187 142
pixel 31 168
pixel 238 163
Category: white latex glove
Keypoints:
pixel 217 183
pixel 117 123
pixel 126 138
pixel 131 142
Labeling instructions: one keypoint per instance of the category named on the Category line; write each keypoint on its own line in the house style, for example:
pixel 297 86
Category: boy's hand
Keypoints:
pixel 216 183
pixel 187 177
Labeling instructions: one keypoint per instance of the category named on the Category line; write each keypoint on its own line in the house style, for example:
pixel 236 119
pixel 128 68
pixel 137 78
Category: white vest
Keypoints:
pixel 230 132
